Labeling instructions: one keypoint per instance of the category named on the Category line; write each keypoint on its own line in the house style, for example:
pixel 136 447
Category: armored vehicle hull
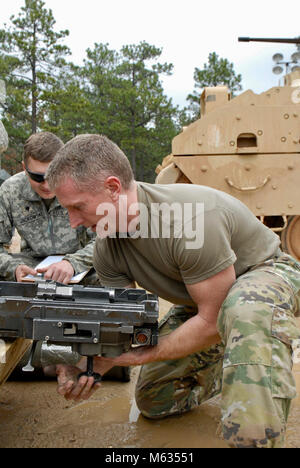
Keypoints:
pixel 249 147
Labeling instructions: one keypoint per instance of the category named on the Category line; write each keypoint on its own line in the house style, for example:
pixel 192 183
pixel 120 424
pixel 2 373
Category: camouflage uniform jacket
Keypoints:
pixel 43 231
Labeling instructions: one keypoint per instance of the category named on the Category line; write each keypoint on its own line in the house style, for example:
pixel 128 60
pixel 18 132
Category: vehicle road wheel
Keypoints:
pixel 290 237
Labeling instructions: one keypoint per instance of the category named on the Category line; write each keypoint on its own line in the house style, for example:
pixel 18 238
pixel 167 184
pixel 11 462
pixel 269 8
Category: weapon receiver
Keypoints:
pixel 92 320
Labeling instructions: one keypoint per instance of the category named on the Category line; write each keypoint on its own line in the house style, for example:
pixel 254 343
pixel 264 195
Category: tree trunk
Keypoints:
pixel 34 86
pixel 33 110
pixel 133 152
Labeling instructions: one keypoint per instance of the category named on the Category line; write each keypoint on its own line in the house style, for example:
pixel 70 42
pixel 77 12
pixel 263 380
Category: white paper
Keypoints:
pixel 54 259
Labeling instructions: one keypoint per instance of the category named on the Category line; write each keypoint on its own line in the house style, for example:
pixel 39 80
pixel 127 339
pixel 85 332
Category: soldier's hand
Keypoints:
pixel 23 270
pixel 61 272
pixel 70 387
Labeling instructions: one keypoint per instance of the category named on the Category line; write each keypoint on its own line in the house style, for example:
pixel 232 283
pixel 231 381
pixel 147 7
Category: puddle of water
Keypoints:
pixel 35 416
pixel 134 412
pixel 32 414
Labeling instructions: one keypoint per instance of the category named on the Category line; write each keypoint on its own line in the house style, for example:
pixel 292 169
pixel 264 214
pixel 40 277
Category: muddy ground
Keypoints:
pixel 32 414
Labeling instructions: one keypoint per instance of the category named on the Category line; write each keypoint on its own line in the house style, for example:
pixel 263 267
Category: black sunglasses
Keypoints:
pixel 36 176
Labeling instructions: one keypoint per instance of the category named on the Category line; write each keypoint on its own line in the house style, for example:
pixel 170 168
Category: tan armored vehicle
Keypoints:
pixel 249 147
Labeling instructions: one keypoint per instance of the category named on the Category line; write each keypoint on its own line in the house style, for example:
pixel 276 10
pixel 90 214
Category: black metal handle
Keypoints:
pixel 90 371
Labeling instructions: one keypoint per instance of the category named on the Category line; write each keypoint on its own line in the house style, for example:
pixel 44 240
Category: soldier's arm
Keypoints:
pixel 82 259
pixel 197 333
pixel 8 264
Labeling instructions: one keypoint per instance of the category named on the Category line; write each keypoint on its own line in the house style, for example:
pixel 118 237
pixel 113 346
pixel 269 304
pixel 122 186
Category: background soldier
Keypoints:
pixel 27 204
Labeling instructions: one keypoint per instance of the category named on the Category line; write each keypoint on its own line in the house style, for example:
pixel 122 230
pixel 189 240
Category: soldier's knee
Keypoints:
pixel 146 412
pixel 147 405
pixel 159 400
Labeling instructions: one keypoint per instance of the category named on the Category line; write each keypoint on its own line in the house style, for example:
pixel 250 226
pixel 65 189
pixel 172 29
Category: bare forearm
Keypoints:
pixel 193 336
pixel 196 334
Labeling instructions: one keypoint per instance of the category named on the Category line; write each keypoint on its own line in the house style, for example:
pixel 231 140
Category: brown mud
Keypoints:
pixel 32 414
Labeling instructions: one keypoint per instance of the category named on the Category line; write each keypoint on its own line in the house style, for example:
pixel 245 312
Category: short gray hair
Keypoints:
pixel 88 160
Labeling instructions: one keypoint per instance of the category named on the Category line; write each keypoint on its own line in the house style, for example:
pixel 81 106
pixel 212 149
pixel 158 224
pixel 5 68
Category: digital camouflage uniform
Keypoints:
pixel 43 231
pixel 252 367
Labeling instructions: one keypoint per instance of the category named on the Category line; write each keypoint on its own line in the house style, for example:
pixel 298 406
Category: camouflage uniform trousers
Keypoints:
pixel 251 367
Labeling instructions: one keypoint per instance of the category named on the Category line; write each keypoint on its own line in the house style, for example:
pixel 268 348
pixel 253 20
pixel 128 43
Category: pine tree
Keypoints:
pixel 30 59
pixel 218 71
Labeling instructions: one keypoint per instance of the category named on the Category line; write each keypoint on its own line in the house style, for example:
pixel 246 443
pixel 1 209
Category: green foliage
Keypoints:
pixel 116 93
pixel 143 107
pixel 218 71
pixel 31 56
pixel 15 110
pixel 66 106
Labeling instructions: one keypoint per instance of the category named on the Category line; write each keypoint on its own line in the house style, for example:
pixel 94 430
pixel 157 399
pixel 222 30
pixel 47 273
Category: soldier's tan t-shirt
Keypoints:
pixel 225 233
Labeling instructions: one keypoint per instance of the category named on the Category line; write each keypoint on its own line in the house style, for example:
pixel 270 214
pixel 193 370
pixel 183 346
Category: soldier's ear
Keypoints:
pixel 113 186
pixel 23 165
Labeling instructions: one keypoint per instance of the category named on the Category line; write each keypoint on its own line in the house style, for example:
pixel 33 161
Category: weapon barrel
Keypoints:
pixel 295 40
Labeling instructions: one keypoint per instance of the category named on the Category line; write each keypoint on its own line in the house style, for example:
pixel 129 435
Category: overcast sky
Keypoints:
pixel 187 31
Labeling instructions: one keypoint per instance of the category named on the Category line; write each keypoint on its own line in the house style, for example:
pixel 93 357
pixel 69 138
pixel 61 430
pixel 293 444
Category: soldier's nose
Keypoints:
pixel 75 221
